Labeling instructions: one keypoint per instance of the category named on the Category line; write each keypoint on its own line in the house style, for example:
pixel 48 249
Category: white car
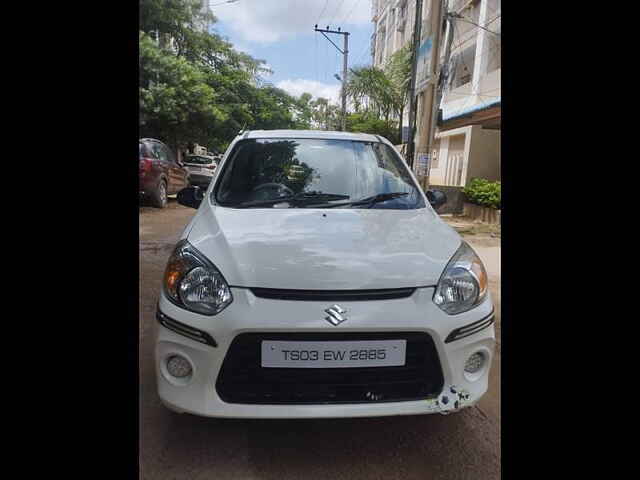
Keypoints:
pixel 316 280
pixel 200 168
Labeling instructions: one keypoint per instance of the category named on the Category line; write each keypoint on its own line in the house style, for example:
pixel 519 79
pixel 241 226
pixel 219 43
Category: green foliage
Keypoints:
pixel 483 192
pixel 370 123
pixel 195 88
pixel 383 93
pixel 398 70
pixel 176 103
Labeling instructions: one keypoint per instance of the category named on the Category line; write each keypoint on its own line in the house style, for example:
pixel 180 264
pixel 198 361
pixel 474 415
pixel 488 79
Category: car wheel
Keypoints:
pixel 159 197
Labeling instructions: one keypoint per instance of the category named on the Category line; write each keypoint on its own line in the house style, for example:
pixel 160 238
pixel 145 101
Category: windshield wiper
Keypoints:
pixel 308 198
pixel 298 198
pixel 370 201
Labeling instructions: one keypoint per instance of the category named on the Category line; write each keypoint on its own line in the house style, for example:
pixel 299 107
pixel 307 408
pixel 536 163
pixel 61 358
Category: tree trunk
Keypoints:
pixel 400 124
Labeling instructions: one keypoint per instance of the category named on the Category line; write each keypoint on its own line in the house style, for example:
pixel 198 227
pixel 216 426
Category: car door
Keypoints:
pixel 178 174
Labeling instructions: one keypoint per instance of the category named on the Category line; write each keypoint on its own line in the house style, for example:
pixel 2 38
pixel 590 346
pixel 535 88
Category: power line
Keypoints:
pixel 367 47
pixel 323 9
pixel 336 13
pixel 344 21
pixel 460 17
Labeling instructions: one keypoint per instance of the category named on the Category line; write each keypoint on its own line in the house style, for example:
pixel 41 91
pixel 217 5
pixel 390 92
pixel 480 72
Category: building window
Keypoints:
pixel 494 60
pixel 462 66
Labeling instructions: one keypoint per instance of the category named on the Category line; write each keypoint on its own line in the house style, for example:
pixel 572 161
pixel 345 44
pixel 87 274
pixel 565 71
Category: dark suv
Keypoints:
pixel 160 172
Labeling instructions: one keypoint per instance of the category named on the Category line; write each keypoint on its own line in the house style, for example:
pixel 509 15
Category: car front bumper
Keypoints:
pixel 249 313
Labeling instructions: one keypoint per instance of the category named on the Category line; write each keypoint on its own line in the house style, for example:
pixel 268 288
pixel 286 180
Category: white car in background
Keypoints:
pixel 200 168
pixel 316 280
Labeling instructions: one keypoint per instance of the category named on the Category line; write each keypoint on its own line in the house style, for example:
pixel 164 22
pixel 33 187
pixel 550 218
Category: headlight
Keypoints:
pixel 463 284
pixel 192 282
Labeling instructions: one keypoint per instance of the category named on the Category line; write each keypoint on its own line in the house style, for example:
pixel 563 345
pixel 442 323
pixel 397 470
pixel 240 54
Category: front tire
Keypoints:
pixel 159 196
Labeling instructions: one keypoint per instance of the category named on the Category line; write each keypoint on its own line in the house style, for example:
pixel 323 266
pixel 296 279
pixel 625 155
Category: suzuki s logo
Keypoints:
pixel 335 315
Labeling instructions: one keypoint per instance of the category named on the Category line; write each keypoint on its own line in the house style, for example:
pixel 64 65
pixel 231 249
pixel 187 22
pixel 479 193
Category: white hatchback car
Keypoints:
pixel 316 280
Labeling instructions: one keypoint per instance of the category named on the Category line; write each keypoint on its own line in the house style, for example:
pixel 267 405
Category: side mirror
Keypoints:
pixel 436 198
pixel 190 196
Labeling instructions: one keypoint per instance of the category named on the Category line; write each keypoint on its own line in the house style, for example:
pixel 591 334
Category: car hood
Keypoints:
pixel 324 249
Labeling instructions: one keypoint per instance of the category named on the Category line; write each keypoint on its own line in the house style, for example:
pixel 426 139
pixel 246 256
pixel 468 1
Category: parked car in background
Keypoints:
pixel 201 168
pixel 160 172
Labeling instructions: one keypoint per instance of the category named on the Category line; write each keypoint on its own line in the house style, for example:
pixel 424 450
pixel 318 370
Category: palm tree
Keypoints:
pixel 398 69
pixel 383 92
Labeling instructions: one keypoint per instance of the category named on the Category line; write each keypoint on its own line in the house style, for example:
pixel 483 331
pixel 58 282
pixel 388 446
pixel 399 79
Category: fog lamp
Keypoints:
pixel 178 366
pixel 474 363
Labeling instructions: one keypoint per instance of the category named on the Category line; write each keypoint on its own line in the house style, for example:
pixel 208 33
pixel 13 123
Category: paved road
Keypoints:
pixel 465 445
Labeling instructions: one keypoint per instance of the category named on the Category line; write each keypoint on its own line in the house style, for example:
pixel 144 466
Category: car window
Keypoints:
pixel 379 170
pixel 199 160
pixel 157 151
pixel 262 169
pixel 170 157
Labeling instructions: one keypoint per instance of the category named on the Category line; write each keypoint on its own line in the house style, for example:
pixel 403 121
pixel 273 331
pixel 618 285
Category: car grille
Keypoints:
pixel 243 380
pixel 333 295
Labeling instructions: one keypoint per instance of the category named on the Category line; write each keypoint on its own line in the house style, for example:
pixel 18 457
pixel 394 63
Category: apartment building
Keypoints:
pixel 467 141
pixel 393 27
pixel 467 136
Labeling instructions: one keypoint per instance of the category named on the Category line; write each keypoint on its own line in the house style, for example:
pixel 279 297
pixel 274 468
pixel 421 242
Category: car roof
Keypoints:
pixel 322 134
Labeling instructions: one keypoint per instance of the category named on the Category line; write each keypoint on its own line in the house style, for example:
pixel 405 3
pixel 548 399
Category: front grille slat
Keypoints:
pixel 243 380
pixel 332 295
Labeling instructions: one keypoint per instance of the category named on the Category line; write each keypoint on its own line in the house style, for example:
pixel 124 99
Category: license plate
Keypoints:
pixel 339 354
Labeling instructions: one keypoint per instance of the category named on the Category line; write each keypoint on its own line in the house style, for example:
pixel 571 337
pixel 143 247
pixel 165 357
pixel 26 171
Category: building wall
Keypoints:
pixel 475 57
pixel 474 82
pixel 465 153
pixel 484 154
pixel 393 26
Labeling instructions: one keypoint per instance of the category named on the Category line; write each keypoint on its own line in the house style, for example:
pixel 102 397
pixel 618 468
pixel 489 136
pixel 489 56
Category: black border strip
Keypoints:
pixel 471 328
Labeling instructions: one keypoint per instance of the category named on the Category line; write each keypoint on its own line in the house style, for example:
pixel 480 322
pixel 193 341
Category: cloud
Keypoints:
pixel 267 21
pixel 317 89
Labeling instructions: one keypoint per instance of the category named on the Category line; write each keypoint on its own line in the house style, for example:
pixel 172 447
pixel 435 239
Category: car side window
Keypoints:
pixel 169 155
pixel 159 152
pixel 148 150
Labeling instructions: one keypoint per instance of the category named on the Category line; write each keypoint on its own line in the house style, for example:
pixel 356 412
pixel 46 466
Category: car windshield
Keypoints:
pixel 198 160
pixel 305 173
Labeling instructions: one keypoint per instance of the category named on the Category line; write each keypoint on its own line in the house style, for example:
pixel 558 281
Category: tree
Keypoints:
pixel 196 88
pixel 176 104
pixel 398 69
pixel 383 92
pixel 367 122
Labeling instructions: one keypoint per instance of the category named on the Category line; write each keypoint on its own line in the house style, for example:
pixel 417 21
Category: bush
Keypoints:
pixel 483 192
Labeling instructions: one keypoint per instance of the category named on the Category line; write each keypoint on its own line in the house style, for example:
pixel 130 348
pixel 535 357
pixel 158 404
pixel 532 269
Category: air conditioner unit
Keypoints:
pixel 401 23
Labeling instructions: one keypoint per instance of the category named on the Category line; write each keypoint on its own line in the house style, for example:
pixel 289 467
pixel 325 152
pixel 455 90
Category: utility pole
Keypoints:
pixel 412 93
pixel 442 75
pixel 345 56
pixel 431 104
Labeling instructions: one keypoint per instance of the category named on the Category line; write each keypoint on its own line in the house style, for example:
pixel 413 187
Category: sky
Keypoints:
pixel 281 32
